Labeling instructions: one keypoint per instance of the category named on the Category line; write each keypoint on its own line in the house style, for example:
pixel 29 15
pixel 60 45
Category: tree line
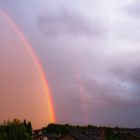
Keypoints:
pixel 16 130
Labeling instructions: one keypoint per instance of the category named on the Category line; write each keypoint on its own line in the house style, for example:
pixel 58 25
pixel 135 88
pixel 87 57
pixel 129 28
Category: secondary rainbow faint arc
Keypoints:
pixel 37 64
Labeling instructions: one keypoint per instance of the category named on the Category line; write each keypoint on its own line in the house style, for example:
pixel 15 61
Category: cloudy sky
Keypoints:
pixel 89 51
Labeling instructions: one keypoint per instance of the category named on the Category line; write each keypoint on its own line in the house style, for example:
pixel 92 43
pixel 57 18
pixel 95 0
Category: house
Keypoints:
pixel 39 135
pixel 131 136
pixel 37 132
pixel 96 133
pixel 42 137
pixel 77 136
pixel 135 131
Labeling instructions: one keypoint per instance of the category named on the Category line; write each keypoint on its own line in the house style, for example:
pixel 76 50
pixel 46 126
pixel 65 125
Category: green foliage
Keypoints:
pixel 61 129
pixel 14 130
pixel 57 129
pixel 28 127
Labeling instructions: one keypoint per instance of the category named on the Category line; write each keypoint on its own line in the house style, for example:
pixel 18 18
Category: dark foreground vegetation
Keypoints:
pixel 22 130
pixel 16 130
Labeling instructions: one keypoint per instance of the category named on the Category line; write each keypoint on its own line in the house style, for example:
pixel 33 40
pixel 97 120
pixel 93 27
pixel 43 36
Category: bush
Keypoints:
pixel 14 130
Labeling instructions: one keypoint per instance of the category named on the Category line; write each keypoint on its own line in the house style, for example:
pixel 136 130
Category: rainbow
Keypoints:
pixel 45 84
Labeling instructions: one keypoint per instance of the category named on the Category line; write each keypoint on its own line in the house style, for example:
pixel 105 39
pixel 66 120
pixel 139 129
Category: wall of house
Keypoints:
pixel 45 138
pixel 131 138
pixel 67 137
pixel 41 138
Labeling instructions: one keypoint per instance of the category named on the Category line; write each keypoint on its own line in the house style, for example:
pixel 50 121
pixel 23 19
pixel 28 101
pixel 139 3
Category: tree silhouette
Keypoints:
pixel 14 130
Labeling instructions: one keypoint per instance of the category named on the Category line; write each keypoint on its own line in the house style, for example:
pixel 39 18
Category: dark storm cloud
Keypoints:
pixel 65 22
pixel 127 74
pixel 110 93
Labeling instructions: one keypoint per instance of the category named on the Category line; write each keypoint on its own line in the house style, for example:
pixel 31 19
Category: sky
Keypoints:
pixel 89 51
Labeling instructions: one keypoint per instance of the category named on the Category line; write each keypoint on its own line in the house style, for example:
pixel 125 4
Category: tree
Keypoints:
pixel 29 128
pixel 14 130
pixel 57 129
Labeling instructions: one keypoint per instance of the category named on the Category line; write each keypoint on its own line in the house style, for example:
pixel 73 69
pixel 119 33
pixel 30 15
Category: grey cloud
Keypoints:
pixel 128 69
pixel 112 94
pixel 65 22
pixel 127 74
pixel 127 28
pixel 133 8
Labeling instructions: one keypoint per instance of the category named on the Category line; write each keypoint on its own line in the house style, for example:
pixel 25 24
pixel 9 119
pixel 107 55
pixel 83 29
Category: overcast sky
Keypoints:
pixel 90 52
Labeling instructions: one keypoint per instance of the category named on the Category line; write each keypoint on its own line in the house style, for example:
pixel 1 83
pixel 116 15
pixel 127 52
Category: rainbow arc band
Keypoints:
pixel 45 84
